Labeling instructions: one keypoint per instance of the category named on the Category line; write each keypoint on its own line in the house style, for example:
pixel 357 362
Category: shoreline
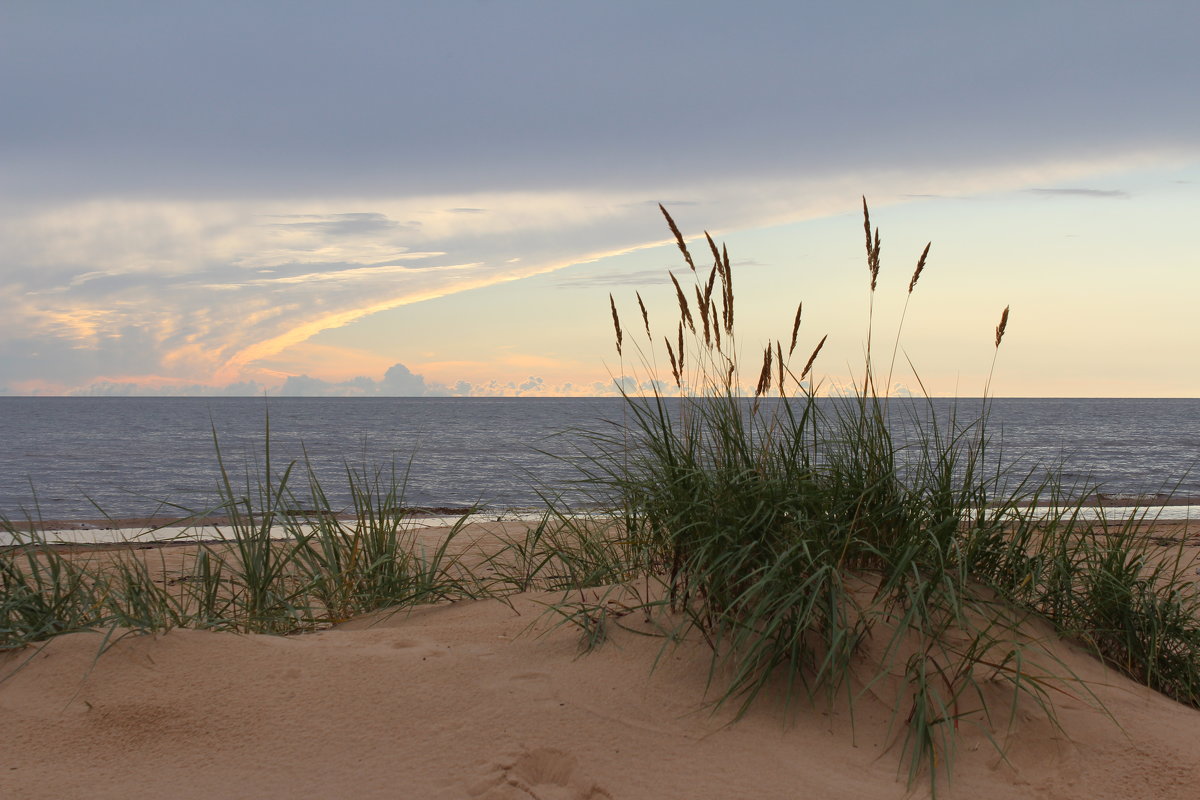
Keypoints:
pixel 138 530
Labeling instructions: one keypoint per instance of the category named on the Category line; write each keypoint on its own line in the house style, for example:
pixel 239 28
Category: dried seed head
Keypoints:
pixel 872 247
pixel 680 351
pixel 712 313
pixel 813 357
pixel 728 293
pixel 764 377
pixel 704 318
pixel 616 321
pixel 795 328
pixel 713 247
pixel 674 362
pixel 920 268
pixel 779 366
pixel 866 224
pixel 1000 328
pixel 684 311
pixel 683 248
pixel 645 316
pixel 706 303
pixel 873 261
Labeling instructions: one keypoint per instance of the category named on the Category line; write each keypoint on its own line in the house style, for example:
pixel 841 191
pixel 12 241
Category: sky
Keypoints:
pixel 413 198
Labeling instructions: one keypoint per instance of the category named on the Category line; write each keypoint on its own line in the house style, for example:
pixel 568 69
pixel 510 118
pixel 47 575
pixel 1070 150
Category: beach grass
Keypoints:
pixel 862 542
pixel 289 562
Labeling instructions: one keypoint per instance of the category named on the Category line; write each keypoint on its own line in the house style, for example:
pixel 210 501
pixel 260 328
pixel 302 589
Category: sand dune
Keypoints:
pixel 485 699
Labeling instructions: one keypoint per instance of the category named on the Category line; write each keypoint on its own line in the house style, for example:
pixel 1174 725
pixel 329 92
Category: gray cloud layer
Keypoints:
pixel 187 186
pixel 256 98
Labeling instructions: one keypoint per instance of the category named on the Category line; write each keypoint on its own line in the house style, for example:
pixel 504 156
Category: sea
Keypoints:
pixel 84 458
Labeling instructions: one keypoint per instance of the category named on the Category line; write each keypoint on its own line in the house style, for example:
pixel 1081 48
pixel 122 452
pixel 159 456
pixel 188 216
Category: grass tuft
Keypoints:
pixel 836 546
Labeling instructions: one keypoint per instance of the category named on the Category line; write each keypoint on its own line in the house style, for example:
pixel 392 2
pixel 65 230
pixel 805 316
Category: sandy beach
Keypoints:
pixel 490 699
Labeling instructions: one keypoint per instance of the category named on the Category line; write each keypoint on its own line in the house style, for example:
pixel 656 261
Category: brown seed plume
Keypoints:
pixel 920 268
pixel 680 352
pixel 712 312
pixel 866 223
pixel 795 328
pixel 616 321
pixel 779 366
pixel 645 316
pixel 875 261
pixel 764 377
pixel 728 286
pixel 813 357
pixel 674 363
pixel 684 311
pixel 1000 328
pixel 704 319
pixel 872 248
pixel 713 247
pixel 683 248
pixel 708 287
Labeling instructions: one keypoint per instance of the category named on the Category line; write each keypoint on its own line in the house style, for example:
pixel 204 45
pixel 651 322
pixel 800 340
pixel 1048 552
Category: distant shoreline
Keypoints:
pixel 162 530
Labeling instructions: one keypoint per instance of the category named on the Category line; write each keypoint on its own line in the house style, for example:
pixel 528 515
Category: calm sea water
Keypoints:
pixel 63 458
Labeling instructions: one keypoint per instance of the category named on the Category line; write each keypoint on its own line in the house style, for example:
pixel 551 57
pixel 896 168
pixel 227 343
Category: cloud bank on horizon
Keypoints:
pixel 188 191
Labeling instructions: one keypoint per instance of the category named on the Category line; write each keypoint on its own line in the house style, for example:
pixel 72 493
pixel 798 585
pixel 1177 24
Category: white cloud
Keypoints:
pixel 189 277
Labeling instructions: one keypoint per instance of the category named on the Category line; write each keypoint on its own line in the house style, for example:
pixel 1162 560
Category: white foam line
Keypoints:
pixel 1116 513
pixel 200 533
pixel 204 533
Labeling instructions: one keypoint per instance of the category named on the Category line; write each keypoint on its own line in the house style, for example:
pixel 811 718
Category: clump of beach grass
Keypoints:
pixel 844 544
pixel 289 561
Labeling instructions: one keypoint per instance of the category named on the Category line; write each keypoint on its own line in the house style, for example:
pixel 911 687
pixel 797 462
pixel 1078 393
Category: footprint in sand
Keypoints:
pixel 541 774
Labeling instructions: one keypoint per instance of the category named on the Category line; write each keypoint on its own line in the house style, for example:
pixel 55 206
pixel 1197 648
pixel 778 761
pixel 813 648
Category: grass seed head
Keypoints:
pixel 683 248
pixel 616 321
pixel 779 366
pixel 727 285
pixel 681 348
pixel 713 247
pixel 712 312
pixel 764 377
pixel 872 246
pixel 704 318
pixel 920 268
pixel 684 312
pixel 674 363
pixel 813 357
pixel 1000 328
pixel 645 316
pixel 796 328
